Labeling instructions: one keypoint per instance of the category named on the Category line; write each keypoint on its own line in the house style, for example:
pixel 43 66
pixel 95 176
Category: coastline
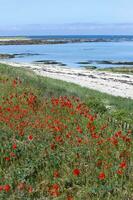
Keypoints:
pixel 29 41
pixel 115 84
pixel 61 39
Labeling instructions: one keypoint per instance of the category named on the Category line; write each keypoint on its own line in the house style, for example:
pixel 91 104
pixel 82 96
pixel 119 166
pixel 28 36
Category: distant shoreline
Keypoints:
pixel 61 39
pixel 29 41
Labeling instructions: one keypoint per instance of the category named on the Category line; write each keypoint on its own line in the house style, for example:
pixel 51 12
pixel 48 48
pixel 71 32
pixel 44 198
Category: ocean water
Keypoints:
pixel 108 37
pixel 118 49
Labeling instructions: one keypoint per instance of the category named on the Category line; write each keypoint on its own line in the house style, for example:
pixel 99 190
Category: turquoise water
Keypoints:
pixel 72 53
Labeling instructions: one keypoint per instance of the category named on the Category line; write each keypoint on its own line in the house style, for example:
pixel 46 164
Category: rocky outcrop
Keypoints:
pixel 49 41
pixel 6 56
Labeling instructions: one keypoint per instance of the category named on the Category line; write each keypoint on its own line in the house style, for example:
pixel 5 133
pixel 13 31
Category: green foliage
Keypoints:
pixel 48 87
pixel 56 131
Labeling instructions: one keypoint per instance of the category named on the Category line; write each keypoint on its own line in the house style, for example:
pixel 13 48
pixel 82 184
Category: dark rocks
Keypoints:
pixel 21 55
pixel 50 62
pixel 84 62
pixel 109 62
pixel 89 67
pixel 6 56
pixel 115 63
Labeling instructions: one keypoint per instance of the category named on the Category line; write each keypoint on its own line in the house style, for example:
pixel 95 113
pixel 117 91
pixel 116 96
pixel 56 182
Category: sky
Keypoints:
pixel 66 17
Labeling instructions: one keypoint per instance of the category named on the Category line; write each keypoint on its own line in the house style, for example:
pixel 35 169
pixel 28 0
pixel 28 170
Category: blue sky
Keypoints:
pixel 85 16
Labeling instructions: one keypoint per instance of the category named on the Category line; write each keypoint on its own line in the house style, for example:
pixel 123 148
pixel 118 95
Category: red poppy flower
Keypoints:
pixel 58 139
pixel 55 186
pixel 8 109
pixel 79 140
pixel 52 146
pixel 79 129
pixel 14 146
pixel 120 172
pixel 70 198
pixel 123 165
pixel 101 176
pixel 1 188
pixel 76 172
pixel 68 135
pixel 30 137
pixel 7 158
pixel 56 174
pixel 12 154
pixel 118 134
pixel 14 83
pixel 54 190
pixel 99 163
pixel 54 193
pixel 30 189
pixel 21 133
pixel 6 188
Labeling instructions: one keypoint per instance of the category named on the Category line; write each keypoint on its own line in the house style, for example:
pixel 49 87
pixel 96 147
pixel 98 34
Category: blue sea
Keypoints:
pixel 118 49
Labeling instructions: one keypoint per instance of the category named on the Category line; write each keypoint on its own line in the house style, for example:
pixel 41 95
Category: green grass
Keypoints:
pixel 54 134
pixel 123 70
pixel 119 108
pixel 13 38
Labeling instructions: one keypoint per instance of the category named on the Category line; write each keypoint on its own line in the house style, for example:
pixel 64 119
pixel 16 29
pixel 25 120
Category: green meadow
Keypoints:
pixel 62 141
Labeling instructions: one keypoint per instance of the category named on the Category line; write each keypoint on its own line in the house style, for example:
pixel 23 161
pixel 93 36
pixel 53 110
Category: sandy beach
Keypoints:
pixel 111 83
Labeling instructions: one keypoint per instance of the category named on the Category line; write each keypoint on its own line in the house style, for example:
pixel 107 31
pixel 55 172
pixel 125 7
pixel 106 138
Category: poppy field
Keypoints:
pixel 59 148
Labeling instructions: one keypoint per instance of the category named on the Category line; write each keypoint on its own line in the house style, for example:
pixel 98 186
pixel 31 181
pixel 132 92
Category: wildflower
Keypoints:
pixel 70 198
pixel 68 135
pixel 6 188
pixel 12 154
pixel 8 109
pixel 55 186
pixel 120 172
pixel 79 129
pixel 54 190
pixel 56 174
pixel 76 172
pixel 14 146
pixel 79 140
pixel 57 128
pixel 123 165
pixel 14 83
pixel 124 154
pixel 58 139
pixel 99 163
pixel 101 176
pixel 30 137
pixel 21 133
pixel 118 134
pixel 7 158
pixel 52 146
pixel 1 188
pixel 31 99
pixel 54 193
pixel 95 136
pixel 30 189
pixel 127 139
pixel 0 109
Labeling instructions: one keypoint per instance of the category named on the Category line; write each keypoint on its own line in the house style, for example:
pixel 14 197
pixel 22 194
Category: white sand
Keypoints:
pixel 13 39
pixel 112 83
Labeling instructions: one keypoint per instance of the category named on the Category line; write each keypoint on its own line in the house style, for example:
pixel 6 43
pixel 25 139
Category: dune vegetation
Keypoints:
pixel 57 140
pixel 124 69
